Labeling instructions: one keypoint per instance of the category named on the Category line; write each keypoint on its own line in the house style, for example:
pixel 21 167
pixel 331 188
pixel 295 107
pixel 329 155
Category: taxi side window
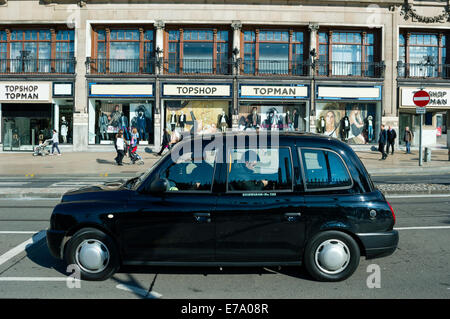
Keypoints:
pixel 188 173
pixel 259 170
pixel 324 169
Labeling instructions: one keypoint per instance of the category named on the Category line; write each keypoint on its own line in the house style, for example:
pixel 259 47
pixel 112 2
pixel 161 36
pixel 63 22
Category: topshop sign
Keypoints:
pixel 25 92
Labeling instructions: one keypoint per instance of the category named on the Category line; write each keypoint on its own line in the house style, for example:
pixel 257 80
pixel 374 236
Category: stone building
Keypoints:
pixel 89 68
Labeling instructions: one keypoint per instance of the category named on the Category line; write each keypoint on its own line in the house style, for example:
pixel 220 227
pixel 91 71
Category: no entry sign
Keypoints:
pixel 421 98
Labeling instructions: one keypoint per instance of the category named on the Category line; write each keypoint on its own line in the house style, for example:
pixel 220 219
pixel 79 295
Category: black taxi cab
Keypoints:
pixel 232 199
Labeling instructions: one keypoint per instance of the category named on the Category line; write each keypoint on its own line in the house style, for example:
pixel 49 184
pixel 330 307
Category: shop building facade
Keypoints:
pixel 330 68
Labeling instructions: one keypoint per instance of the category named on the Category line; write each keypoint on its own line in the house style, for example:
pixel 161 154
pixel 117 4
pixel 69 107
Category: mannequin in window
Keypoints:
pixel 253 119
pixel 288 121
pixel 115 116
pixel 173 121
pixel 370 128
pixel 182 120
pixel 322 125
pixel 123 125
pixel 345 127
pixel 64 129
pixel 223 121
pixel 141 124
pixel 103 126
pixel 296 119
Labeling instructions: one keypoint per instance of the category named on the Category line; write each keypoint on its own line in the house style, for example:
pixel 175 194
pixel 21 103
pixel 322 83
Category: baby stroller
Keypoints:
pixel 134 156
pixel 41 149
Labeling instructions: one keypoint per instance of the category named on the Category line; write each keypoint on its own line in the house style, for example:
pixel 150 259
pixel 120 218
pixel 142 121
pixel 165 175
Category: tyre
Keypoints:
pixel 331 256
pixel 94 252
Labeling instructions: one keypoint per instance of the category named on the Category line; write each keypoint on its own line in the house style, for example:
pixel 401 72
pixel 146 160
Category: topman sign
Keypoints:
pixel 25 91
pixel 272 91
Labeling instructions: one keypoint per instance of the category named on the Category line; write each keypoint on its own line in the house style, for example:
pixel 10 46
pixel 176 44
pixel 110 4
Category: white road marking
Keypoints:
pixel 73 184
pixel 13 183
pixel 423 227
pixel 140 291
pixel 35 279
pixel 418 196
pixel 21 248
pixel 17 232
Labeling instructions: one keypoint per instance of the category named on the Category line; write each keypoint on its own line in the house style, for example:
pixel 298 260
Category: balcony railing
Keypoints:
pixel 197 66
pixel 120 66
pixel 37 66
pixel 422 70
pixel 350 69
pixel 274 67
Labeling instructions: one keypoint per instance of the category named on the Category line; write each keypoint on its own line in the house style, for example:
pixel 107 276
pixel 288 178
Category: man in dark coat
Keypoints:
pixel 391 136
pixel 382 140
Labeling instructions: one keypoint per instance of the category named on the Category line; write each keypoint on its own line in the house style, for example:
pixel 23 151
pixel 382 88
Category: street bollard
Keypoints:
pixel 427 154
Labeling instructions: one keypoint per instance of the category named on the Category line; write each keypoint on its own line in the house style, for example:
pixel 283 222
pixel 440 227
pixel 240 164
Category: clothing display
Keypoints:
pixel 223 121
pixel 103 126
pixel 346 127
pixel 64 129
pixel 182 120
pixel 141 125
pixel 322 125
pixel 173 121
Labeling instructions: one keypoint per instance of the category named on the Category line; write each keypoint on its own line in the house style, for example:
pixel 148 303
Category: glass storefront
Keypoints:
pixel 197 116
pixel 278 116
pixel 354 122
pixel 107 116
pixel 23 125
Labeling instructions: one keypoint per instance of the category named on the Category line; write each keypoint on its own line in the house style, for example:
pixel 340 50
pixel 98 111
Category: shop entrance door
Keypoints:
pixel 24 125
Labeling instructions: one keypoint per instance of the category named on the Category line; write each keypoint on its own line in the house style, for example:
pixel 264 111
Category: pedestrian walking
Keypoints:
pixel 165 142
pixel 382 140
pixel 55 140
pixel 120 143
pixel 391 136
pixel 115 144
pixel 407 138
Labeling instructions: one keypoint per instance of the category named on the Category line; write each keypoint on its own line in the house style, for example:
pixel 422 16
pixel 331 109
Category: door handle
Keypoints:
pixel 202 217
pixel 291 217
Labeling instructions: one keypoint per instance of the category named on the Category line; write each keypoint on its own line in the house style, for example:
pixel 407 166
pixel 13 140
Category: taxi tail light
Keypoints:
pixel 392 211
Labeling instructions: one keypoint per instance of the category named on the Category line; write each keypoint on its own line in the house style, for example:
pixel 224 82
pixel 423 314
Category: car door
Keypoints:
pixel 329 195
pixel 176 225
pixel 256 222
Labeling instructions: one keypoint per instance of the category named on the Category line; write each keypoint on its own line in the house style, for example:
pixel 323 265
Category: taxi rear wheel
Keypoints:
pixel 94 253
pixel 331 256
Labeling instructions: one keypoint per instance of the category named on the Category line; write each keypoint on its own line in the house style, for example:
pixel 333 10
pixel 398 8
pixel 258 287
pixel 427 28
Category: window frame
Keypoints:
pixel 179 44
pixel 364 44
pixel 143 61
pixel 169 159
pixel 262 191
pixel 291 42
pixel 302 168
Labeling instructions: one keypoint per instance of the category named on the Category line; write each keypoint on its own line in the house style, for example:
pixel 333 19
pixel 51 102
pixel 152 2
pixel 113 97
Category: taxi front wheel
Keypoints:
pixel 331 256
pixel 94 252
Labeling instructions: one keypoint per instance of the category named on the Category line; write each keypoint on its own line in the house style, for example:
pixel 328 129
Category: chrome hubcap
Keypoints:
pixel 92 256
pixel 332 256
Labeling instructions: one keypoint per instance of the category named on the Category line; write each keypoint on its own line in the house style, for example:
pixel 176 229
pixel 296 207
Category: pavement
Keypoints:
pixel 100 166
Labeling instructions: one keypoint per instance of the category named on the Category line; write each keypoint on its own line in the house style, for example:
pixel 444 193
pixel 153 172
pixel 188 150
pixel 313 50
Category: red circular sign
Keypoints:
pixel 421 98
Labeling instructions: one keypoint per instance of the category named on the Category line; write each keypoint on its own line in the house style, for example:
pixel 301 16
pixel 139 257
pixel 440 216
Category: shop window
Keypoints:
pixel 31 51
pixel 354 123
pixel 188 173
pixel 259 170
pixel 273 52
pixel 197 116
pixel 107 117
pixel 3 51
pixel 348 53
pixel 324 169
pixel 270 116
pixel 196 51
pixel 123 50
